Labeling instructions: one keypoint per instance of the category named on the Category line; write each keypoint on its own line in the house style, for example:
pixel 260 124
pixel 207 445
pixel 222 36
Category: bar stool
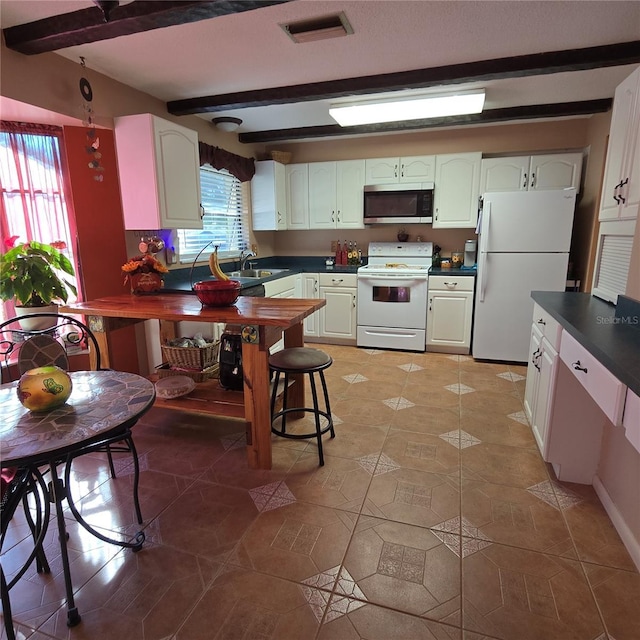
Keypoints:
pixel 301 360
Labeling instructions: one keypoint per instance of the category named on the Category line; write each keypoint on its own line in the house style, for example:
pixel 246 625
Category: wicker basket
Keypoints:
pixel 197 376
pixel 281 156
pixel 197 358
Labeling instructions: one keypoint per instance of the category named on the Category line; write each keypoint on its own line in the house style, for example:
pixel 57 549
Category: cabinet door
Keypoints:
pixel 456 190
pixel 623 136
pixel 322 195
pixel 310 290
pixel 555 171
pixel 178 170
pixel 548 363
pixel 338 316
pixel 418 169
pixel 349 198
pixel 269 197
pixel 533 373
pixel 382 170
pixel 504 174
pixel 449 321
pixel 297 180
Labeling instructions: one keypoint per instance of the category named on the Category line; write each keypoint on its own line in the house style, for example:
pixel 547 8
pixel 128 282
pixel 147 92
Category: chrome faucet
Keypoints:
pixel 244 256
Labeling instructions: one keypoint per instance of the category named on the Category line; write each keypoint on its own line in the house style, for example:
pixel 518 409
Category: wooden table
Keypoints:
pixel 261 322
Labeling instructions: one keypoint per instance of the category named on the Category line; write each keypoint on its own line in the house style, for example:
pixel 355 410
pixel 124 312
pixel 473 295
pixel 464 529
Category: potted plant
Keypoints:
pixel 144 273
pixel 32 276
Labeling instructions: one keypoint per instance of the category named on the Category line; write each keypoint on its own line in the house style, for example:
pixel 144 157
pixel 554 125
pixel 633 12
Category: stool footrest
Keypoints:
pixel 301 436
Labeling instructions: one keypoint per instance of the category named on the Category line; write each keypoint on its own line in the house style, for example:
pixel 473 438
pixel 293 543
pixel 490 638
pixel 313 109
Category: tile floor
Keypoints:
pixel 433 518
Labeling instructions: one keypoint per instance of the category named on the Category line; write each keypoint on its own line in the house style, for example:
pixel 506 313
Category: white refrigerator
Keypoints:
pixel 523 246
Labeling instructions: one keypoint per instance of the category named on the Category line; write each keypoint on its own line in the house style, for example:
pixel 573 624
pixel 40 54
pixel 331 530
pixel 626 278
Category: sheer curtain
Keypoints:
pixel 33 184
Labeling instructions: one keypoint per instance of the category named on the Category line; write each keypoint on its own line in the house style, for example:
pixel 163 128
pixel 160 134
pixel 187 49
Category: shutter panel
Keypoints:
pixel 613 266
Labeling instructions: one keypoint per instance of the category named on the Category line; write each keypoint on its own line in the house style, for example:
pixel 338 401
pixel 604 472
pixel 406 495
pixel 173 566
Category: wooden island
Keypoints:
pixel 261 322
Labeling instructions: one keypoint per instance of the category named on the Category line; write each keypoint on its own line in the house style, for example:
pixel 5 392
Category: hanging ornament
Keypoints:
pixel 93 142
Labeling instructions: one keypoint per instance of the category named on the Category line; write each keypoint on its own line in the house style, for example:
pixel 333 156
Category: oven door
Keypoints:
pixel 392 301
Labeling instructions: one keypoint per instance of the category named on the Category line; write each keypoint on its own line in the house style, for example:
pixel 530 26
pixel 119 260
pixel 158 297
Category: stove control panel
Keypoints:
pixel 400 250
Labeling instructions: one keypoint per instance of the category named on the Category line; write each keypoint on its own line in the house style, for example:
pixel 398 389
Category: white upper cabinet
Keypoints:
pixel 457 188
pixel 335 194
pixel 297 180
pixel 159 170
pixel 399 170
pixel 349 194
pixel 322 195
pixel 531 173
pixel 621 185
pixel 269 196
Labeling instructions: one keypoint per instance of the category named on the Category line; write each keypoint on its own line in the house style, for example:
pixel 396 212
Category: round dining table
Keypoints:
pixel 100 412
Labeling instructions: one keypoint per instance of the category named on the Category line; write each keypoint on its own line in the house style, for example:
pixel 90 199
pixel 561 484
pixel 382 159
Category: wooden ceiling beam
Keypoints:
pixel 107 21
pixel 498 69
pixel 489 116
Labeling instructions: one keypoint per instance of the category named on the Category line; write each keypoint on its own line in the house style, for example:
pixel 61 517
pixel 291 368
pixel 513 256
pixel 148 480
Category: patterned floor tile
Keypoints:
pixel 460 389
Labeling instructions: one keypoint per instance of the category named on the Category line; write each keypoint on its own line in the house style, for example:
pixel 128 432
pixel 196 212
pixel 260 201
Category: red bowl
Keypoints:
pixel 217 293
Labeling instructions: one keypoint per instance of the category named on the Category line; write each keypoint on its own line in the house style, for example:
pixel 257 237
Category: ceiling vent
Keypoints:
pixel 323 28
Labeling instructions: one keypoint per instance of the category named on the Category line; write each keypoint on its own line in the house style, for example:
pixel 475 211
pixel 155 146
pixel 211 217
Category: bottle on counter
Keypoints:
pixel 436 260
pixel 343 260
pixel 338 253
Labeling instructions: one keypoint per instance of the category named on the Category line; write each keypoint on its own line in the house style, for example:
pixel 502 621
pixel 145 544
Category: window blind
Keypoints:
pixel 225 220
pixel 613 266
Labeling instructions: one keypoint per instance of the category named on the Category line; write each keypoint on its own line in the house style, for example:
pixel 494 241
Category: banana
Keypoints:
pixel 214 266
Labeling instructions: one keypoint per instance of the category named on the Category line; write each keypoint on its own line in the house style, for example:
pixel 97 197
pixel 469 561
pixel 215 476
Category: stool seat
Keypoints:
pixel 301 360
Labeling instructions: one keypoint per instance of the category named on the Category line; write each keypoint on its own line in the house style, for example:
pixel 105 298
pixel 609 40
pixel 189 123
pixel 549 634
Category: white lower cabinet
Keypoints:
pixel 541 374
pixel 449 313
pixel 310 289
pixel 286 287
pixel 338 316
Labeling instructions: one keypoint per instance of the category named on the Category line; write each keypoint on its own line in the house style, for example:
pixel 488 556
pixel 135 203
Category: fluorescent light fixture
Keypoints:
pixel 409 108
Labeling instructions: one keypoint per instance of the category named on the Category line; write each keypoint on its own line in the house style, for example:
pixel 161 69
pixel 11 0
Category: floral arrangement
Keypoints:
pixel 143 264
pixel 31 273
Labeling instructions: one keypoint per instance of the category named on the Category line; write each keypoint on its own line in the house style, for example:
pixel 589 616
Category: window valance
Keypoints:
pixel 242 168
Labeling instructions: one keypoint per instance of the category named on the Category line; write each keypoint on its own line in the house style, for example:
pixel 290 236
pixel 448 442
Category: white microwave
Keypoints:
pixel 398 203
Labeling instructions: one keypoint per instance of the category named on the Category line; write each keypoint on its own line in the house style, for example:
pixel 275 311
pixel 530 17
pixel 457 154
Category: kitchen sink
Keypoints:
pixel 256 273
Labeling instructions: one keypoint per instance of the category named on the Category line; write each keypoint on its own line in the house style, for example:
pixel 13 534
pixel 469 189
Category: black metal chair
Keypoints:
pixel 24 484
pixel 301 360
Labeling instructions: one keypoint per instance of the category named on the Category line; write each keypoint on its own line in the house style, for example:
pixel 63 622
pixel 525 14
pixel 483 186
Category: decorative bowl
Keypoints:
pixel 217 293
pixel 44 388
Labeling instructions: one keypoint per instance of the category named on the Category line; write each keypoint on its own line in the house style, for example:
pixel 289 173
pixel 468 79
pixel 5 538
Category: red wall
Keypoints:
pixel 102 246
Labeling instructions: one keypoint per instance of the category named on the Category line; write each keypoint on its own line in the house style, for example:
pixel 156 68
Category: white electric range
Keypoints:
pixel 392 296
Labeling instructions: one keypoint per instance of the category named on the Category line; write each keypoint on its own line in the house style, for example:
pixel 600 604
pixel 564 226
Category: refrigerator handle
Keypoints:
pixel 484 240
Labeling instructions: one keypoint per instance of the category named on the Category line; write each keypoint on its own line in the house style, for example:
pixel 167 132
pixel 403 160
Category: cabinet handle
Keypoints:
pixel 395 170
pixel 333 216
pixel 202 211
pixel 338 215
pixel 622 198
pixel 578 367
pixel 524 182
pixel 542 322
pixel 354 301
pixel 402 171
pixel 450 284
pixel 436 214
pixel 335 280
pixel 430 301
pixel 533 179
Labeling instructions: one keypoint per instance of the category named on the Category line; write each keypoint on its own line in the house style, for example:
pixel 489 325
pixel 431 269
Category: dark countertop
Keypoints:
pixel 179 280
pixel 461 271
pixel 611 334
